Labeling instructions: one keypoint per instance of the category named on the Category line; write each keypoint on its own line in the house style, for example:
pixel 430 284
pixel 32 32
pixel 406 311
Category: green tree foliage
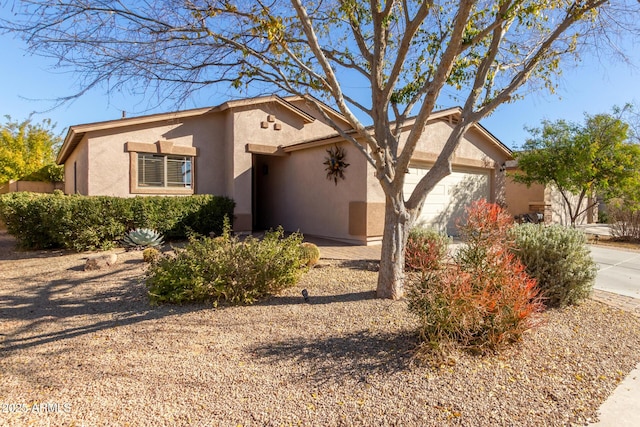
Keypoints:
pixel 581 161
pixel 27 151
pixel 378 63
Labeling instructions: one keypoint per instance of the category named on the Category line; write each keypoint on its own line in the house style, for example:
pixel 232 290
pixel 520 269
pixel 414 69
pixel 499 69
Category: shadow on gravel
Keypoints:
pixel 320 299
pixel 10 251
pixel 364 264
pixel 63 309
pixel 352 356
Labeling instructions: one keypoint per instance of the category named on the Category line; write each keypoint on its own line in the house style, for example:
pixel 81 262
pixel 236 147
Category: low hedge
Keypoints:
pixel 80 223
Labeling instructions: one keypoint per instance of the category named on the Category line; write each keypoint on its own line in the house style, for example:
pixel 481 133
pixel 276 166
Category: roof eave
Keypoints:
pixel 76 133
pixel 438 115
pixel 229 105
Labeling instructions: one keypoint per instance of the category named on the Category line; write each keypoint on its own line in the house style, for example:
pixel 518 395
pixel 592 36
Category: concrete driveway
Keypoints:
pixel 618 270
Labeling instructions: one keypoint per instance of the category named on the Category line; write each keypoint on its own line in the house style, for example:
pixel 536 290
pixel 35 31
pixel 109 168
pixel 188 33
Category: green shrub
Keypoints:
pixel 226 269
pixel 426 249
pixel 88 223
pixel 97 222
pixel 558 257
pixel 27 217
pixel 603 217
pixel 483 301
pixel 310 254
pixel 47 173
pixel 150 254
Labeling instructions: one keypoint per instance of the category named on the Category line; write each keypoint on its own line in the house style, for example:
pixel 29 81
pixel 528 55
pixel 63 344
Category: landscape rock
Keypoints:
pixel 101 261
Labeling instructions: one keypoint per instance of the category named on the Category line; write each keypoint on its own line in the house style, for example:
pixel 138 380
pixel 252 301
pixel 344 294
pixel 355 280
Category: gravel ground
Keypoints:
pixel 86 349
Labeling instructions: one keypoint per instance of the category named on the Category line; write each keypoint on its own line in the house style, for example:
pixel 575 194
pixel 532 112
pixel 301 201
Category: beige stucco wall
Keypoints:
pixel 108 164
pixel 296 194
pixel 103 164
pixel 521 199
pixel 210 135
pixel 560 212
pixel 320 121
pixel 76 170
pixel 273 125
pixel 31 186
pixel 473 151
pixel 538 197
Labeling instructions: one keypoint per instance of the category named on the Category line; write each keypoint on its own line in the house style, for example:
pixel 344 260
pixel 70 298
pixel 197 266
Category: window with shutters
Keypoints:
pixel 157 170
pixel 161 168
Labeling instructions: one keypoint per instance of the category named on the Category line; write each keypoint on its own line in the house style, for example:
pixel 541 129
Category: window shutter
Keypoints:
pixel 178 171
pixel 150 170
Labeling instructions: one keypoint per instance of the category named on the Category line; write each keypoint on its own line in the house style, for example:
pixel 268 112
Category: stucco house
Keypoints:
pixel 268 154
pixel 543 199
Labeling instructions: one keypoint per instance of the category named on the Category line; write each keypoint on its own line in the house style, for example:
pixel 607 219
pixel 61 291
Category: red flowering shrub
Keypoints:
pixel 483 301
pixel 425 250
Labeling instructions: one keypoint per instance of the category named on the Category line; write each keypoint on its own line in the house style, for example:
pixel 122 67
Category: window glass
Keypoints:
pixel 156 170
pixel 150 170
pixel 178 171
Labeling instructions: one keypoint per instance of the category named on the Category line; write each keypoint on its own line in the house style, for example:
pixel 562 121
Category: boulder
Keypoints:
pixel 100 261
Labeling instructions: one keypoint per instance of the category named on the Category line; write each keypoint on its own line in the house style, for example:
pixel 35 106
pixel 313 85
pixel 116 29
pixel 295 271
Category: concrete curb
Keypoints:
pixel 622 408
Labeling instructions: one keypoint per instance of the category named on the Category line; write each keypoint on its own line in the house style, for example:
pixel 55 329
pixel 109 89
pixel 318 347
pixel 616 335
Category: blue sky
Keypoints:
pixel 29 83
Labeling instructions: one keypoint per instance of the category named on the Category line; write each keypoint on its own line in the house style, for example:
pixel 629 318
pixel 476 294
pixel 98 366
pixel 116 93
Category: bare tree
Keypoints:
pixel 404 51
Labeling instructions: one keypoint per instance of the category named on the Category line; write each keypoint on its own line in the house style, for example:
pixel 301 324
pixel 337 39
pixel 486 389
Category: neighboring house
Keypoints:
pixel 267 154
pixel 542 199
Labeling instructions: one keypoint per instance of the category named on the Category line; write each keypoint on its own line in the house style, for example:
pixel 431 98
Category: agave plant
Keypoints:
pixel 142 237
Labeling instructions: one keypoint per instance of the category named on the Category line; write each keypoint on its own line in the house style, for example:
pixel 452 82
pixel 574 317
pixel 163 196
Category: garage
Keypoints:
pixel 449 199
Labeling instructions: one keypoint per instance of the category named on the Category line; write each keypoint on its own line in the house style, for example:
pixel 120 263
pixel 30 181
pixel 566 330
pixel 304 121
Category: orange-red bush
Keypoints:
pixel 425 250
pixel 483 301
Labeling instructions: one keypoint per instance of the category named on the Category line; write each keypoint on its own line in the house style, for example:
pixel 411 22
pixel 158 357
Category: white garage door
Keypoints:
pixel 449 199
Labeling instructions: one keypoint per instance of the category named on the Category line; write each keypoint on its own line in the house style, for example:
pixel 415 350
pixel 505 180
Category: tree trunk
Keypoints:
pixel 396 232
pixel 572 214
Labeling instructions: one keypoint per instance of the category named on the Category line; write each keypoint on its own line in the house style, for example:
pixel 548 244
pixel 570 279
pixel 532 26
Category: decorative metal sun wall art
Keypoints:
pixel 335 164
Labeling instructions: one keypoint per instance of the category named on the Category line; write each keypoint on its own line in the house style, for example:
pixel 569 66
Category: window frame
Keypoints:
pixel 165 173
pixel 166 149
